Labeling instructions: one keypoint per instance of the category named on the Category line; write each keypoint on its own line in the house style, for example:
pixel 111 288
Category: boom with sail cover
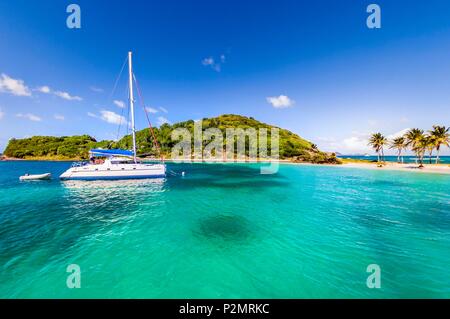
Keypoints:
pixel 108 153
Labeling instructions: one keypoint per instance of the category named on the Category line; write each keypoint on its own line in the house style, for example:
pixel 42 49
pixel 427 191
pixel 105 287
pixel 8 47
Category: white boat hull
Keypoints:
pixel 38 177
pixel 109 171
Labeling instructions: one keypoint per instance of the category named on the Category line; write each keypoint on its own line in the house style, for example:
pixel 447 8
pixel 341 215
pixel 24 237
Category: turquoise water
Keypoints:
pixel 225 231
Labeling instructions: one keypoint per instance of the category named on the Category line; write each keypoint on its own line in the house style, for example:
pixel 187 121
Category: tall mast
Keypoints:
pixel 133 129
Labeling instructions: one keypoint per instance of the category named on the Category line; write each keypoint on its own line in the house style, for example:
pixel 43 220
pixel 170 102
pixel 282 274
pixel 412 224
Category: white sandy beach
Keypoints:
pixel 390 166
pixel 428 168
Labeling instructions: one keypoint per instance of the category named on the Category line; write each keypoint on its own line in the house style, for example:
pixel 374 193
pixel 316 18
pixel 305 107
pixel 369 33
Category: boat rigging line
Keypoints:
pixel 155 141
pixel 118 78
pixel 127 127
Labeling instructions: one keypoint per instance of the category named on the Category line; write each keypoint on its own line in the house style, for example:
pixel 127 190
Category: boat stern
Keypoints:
pixel 66 174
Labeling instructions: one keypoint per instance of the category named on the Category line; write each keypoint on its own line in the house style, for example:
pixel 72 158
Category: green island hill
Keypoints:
pixel 291 146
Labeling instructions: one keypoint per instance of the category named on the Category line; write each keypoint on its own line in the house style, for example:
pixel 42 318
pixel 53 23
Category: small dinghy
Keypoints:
pixel 37 177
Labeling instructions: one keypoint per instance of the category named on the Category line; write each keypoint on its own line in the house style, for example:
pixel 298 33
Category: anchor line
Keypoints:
pixel 173 173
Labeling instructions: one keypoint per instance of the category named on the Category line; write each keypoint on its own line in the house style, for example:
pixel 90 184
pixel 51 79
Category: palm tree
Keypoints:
pixel 441 136
pixel 429 144
pixel 377 141
pixel 416 140
pixel 399 144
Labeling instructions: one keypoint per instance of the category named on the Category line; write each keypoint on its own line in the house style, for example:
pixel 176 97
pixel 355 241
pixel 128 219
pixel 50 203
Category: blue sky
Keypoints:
pixel 338 80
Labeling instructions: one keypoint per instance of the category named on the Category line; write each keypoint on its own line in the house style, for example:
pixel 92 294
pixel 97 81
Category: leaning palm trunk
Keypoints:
pixel 418 157
pixel 437 155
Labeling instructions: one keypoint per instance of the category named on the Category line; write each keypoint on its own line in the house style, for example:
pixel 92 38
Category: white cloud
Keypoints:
pixel 30 117
pixel 67 96
pixel 397 134
pixel 208 61
pixel 13 86
pixel 163 109
pixel 44 89
pixel 59 117
pixel 111 117
pixel 356 144
pixel 154 110
pixel 96 89
pixel 64 95
pixel 326 139
pixel 213 64
pixel 162 120
pixel 151 110
pixel 119 103
pixel 280 102
pixel 92 114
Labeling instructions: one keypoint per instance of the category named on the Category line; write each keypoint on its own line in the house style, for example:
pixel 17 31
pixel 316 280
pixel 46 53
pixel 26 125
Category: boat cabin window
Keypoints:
pixel 122 162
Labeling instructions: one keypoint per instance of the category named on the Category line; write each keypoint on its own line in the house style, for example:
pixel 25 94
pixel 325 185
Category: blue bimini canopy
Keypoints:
pixel 108 153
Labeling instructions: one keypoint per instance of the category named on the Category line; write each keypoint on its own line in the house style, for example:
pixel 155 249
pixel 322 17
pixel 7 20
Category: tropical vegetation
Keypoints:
pixel 378 141
pixel 417 140
pixel 441 136
pixel 291 146
pixel 398 143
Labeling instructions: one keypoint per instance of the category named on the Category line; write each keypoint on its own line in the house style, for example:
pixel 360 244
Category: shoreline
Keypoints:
pixel 388 166
pixel 408 167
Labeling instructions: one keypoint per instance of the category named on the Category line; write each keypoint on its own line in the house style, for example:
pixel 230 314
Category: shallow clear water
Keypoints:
pixel 225 231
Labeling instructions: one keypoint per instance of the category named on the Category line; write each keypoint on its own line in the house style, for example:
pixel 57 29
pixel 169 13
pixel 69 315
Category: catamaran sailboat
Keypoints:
pixel 119 164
